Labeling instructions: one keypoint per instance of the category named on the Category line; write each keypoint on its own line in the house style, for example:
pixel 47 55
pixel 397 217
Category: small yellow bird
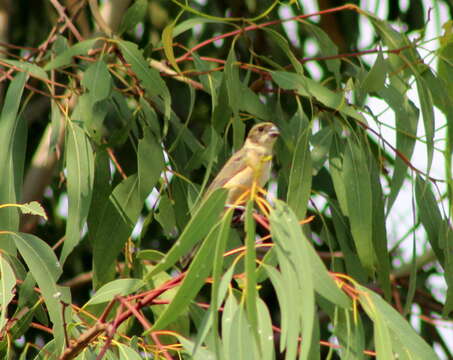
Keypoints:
pixel 252 163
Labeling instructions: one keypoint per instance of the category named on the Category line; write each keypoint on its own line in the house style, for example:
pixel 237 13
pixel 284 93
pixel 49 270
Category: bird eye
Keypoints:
pixel 260 129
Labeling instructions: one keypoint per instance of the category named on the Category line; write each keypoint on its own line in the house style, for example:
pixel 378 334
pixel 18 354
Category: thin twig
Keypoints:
pixel 61 11
pixel 161 347
pixel 139 316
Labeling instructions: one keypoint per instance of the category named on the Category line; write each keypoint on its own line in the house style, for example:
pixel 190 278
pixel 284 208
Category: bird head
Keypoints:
pixel 263 134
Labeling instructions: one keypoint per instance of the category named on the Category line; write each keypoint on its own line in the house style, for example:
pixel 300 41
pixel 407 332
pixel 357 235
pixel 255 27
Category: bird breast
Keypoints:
pixel 265 172
pixel 259 163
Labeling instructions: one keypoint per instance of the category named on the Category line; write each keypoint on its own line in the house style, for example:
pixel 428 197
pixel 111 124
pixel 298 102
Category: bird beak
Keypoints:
pixel 274 132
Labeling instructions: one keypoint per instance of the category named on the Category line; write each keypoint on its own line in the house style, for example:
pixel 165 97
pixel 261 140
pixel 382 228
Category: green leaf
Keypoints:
pixel 309 88
pixel 429 215
pixel 120 212
pixel 195 278
pixel 150 117
pixel 65 57
pixel 166 216
pixel 323 282
pixel 265 331
pixel 101 191
pixel 127 353
pixel 60 45
pixel 300 175
pixel 202 354
pixel 46 269
pixel 241 342
pixel 406 117
pixel 445 57
pixel 321 142
pixel 190 23
pixel 379 310
pixel 233 82
pixel 180 324
pixel 33 208
pixel 134 14
pixel 151 162
pixel 446 242
pixel 197 228
pixel 117 219
pixel 33 69
pixel 149 77
pixel 21 326
pixel 211 81
pixel 284 46
pixel 295 263
pixel 442 96
pixel 359 199
pixel 167 42
pixel 225 282
pixel 12 157
pixel 97 81
pixel 382 337
pixel 27 295
pixel 150 255
pixel 402 66
pixel 327 48
pixel 426 103
pixel 349 330
pixel 336 171
pixel 374 80
pixel 220 284
pixel 251 293
pixel 93 106
pixel 379 230
pixel 80 175
pixel 184 194
pixel 238 133
pixel 228 326
pixel 121 287
pixel 250 102
pixel 222 110
pixel 288 314
pixel 7 284
pixel 56 125
pixel 47 352
pixel 399 63
pixel 344 237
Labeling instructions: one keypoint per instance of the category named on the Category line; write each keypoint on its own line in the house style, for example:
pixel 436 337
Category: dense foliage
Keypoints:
pixel 115 117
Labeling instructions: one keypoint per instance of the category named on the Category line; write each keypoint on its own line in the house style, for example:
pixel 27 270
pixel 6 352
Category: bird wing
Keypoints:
pixel 237 163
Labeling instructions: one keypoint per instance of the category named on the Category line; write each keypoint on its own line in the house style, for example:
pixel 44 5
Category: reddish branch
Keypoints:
pixel 76 346
pixel 263 25
pixel 46 44
pixel 399 153
pixel 62 12
pixel 125 311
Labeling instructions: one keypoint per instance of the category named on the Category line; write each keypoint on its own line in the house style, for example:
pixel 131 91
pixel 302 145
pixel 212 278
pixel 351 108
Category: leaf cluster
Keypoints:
pixel 139 118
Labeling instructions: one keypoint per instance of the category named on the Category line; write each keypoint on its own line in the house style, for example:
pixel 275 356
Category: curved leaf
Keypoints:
pixel 12 143
pixel 65 57
pixel 121 287
pixel 7 283
pixel 46 269
pixel 358 196
pixel 80 175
